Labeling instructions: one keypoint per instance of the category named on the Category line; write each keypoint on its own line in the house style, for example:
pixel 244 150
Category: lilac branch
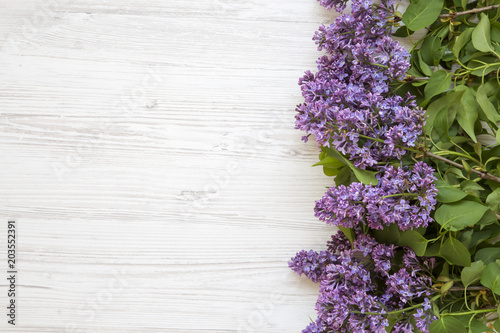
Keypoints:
pixel 482 174
pixel 472 11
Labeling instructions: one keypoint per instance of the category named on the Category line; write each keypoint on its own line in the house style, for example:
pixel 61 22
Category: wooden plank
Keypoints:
pixel 150 161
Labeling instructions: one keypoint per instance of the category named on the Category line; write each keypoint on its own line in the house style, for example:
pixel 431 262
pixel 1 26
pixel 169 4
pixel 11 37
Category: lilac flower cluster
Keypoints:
pixel 311 263
pixel 356 298
pixel 339 5
pixel 402 196
pixel 348 103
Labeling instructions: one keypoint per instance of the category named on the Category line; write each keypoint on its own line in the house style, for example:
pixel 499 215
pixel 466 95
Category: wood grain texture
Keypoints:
pixel 149 157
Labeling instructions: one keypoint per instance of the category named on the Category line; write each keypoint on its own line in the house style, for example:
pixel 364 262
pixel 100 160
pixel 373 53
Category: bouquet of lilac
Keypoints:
pixel 360 287
pixel 417 194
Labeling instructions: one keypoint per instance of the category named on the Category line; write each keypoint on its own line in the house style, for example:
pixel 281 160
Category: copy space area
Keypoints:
pixel 149 159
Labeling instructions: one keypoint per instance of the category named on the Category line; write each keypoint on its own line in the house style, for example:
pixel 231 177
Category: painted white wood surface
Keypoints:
pixel 148 155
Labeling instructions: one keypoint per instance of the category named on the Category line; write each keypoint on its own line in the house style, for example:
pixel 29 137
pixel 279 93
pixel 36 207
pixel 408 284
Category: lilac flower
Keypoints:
pixel 313 328
pixel 424 317
pixel 349 105
pixel 353 297
pixel 347 102
pixel 403 196
pixel 382 255
pixel 402 287
pixel 311 263
pixel 403 327
pixel 338 243
pixel 410 260
pixel 339 5
pixel 365 244
pixel 342 206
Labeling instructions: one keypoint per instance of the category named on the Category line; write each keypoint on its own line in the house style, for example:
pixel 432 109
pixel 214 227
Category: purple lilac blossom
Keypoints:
pixel 402 196
pixel 338 243
pixel 348 99
pixel 356 298
pixel 338 5
pixel 313 328
pixel 311 263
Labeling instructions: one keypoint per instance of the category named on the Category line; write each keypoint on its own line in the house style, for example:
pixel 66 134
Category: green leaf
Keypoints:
pixel 447 193
pixel 460 42
pixel 402 32
pixel 481 35
pixel 470 186
pixel 491 159
pixel 456 171
pixel 478 149
pixel 466 237
pixel 423 66
pixel 455 252
pixel 364 176
pixel 331 172
pixel 330 162
pixel 441 125
pixel 467 167
pixel 493 200
pixel 449 101
pixel 447 324
pixel 390 234
pixel 489 110
pixel 476 326
pixel 496 325
pixel 459 215
pixel 439 82
pixel 348 232
pixel 431 50
pixel 479 237
pixel 433 250
pixel 472 274
pixel 491 87
pixel 416 241
pixel 497 137
pixel 467 113
pixel 421 13
pixel 488 254
pixel 343 177
pixel 488 218
pixel 490 278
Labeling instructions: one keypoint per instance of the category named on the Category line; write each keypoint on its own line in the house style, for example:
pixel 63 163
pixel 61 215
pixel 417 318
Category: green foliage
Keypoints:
pixel 447 325
pixel 335 158
pixel 481 38
pixel 487 107
pixel 455 252
pixel 439 82
pixel 493 200
pixel 421 13
pixel 416 241
pixel 473 273
pixel 457 64
pixel 389 235
pixel 460 215
pixel 467 113
pixel 348 232
pixel 488 254
pixel 490 277
pixel 458 68
pixel 448 193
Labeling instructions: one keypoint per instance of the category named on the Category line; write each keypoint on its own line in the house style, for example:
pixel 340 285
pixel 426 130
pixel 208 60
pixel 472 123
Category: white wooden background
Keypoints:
pixel 149 158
